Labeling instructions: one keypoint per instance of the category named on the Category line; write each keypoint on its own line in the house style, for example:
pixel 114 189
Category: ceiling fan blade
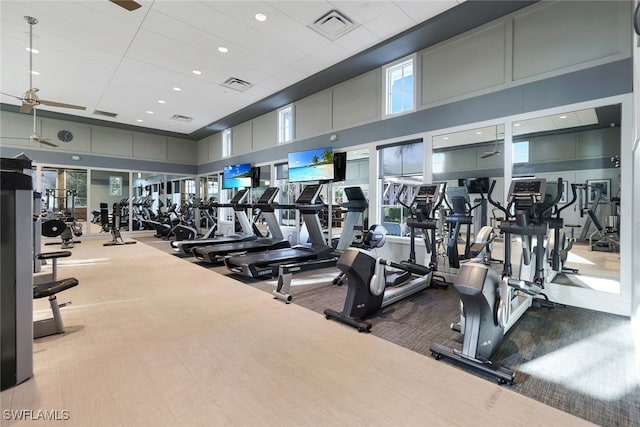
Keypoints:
pixel 130 5
pixel 13 96
pixel 41 140
pixel 62 105
pixel 46 141
pixel 26 108
pixel 491 154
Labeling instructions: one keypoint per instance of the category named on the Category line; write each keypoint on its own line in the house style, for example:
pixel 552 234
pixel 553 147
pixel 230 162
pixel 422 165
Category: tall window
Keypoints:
pixel 285 124
pixel 400 174
pixel 399 87
pixel 226 143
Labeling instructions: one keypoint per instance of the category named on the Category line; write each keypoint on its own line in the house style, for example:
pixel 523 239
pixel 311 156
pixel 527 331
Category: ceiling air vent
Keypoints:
pixel 104 113
pixel 236 84
pixel 333 25
pixel 181 118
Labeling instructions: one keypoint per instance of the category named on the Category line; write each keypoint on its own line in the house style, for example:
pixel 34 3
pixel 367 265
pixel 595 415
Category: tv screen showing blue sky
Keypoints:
pixel 311 165
pixel 237 176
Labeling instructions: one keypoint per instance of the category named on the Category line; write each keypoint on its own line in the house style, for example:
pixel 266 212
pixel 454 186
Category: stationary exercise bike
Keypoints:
pixel 492 303
pixel 370 285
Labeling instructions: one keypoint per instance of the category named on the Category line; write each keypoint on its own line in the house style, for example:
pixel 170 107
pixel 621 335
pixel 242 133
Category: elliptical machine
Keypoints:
pixel 558 244
pixel 492 303
pixel 459 203
pixel 370 286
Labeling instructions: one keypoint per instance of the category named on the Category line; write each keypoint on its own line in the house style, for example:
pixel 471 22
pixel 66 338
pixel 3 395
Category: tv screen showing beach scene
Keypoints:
pixel 311 165
pixel 236 176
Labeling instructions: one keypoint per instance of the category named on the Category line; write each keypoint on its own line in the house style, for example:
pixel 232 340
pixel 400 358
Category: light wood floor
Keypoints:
pixel 154 340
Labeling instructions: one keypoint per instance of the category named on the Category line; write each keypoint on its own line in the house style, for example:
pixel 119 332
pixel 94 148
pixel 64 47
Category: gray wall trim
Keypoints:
pixel 99 162
pixel 611 79
pixel 568 165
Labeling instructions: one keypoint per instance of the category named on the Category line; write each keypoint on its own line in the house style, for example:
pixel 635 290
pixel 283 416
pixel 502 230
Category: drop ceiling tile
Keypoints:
pixel 391 23
pixel 362 12
pixel 420 11
pixel 357 40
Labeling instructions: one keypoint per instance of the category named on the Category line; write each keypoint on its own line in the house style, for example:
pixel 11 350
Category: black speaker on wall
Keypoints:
pixel 339 166
pixel 255 177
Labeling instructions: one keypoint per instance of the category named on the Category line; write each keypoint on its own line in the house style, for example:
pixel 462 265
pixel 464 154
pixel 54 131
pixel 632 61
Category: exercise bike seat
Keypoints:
pixel 51 288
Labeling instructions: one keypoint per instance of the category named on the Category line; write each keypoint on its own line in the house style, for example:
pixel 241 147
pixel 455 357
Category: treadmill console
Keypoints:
pixel 309 195
pixel 240 196
pixel 357 202
pixel 532 189
pixel 268 196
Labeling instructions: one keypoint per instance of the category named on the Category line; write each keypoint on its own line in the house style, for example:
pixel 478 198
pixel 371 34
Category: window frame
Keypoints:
pixel 282 128
pixel 226 143
pixel 386 89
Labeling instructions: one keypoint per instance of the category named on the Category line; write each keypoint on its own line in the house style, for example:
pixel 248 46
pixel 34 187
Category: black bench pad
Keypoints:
pixel 52 288
pixel 55 254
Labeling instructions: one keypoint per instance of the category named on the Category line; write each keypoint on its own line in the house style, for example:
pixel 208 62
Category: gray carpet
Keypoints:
pixel 579 361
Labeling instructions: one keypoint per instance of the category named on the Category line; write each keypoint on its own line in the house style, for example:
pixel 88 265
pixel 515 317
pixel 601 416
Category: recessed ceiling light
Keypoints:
pixel 446 137
pixel 516 124
pixel 149 112
pixel 563 117
pixel 139 120
pixel 35 73
pixel 260 17
pixel 161 101
pixel 197 72
pixel 177 89
pixel 33 50
pixel 478 133
pixel 223 49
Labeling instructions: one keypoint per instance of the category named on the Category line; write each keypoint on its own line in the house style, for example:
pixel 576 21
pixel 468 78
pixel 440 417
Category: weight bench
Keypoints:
pixel 53 325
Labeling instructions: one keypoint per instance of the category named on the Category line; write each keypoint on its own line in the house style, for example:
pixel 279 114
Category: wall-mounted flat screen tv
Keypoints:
pixel 475 185
pixel 236 176
pixel 311 165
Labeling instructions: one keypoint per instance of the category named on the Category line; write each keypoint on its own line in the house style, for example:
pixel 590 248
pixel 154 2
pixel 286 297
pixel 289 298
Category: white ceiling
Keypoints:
pixel 96 54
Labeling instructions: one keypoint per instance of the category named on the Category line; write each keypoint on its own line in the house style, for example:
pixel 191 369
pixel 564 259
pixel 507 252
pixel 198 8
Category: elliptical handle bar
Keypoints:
pixel 400 193
pixel 555 201
pixel 573 200
pixel 494 202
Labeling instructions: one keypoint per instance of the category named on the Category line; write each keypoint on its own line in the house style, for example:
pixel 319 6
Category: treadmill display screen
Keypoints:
pixel 268 195
pixel 241 194
pixel 308 195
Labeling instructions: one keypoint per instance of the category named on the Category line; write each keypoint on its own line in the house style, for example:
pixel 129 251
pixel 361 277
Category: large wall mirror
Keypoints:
pixel 110 187
pixel 583 148
pixel 148 199
pixel 468 161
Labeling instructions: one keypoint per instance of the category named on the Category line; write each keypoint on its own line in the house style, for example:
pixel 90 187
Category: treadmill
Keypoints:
pixel 216 253
pixel 240 211
pixel 265 264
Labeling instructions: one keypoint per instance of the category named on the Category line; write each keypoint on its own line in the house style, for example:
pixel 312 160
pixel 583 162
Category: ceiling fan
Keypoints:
pixel 127 4
pixel 30 99
pixel 35 137
pixel 495 151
